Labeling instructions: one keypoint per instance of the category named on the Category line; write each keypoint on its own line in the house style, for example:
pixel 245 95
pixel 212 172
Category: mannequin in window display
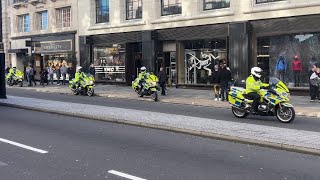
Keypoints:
pixel 296 69
pixel 281 67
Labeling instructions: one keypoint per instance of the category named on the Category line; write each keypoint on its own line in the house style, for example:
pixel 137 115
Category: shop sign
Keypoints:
pixel 53 46
pixel 110 69
pixel 113 50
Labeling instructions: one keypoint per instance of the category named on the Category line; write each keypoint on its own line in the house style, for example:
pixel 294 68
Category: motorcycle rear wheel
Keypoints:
pixel 286 114
pixel 74 92
pixel 239 113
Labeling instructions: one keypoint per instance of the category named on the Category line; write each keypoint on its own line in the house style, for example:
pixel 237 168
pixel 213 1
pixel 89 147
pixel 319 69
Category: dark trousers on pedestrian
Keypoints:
pixel 163 88
pixel 58 77
pixel 31 79
pixel 296 75
pixel 314 92
pixel 51 78
pixel 256 99
pixel 224 93
pixel 64 76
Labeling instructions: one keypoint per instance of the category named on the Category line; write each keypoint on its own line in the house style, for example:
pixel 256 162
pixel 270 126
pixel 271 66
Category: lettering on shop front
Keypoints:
pixel 54 46
pixel 110 69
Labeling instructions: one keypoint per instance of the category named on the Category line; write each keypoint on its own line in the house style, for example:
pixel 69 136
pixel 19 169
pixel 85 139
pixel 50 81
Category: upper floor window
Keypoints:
pixel 63 17
pixel 215 4
pixel 266 1
pixel 42 20
pixel 134 9
pixel 169 7
pixel 102 11
pixel 24 23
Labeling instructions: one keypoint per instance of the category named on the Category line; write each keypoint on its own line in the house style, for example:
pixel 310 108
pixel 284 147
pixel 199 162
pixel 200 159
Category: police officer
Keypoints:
pixel 253 86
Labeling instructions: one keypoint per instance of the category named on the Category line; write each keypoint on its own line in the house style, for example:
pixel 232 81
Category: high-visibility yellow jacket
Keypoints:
pixel 253 85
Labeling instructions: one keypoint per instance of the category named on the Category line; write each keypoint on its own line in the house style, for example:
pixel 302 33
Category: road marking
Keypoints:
pixel 23 146
pixel 3 164
pixel 128 176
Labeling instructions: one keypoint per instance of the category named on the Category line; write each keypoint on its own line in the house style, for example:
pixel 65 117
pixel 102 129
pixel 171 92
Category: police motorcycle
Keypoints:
pixel 148 88
pixel 15 78
pixel 85 87
pixel 274 102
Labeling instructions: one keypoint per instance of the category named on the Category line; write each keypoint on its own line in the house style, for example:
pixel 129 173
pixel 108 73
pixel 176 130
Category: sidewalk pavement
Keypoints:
pixel 178 96
pixel 275 137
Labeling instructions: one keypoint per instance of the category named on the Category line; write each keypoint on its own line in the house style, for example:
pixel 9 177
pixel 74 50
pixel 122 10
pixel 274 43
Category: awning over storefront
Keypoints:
pixel 18 51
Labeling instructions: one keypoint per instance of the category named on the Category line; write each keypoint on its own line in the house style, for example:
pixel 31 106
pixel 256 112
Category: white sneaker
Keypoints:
pixel 216 99
pixel 219 99
pixel 311 100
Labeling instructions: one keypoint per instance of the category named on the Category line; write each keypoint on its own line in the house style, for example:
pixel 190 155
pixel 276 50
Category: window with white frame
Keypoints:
pixel 42 20
pixel 215 4
pixel 170 7
pixel 134 9
pixel 266 1
pixel 63 17
pixel 24 23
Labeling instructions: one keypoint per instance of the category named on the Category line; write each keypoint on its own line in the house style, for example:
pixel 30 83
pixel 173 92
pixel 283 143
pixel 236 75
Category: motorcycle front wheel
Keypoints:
pixel 90 92
pixel 154 96
pixel 239 113
pixel 285 114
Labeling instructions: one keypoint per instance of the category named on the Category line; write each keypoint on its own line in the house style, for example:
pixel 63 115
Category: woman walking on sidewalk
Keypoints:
pixel 216 83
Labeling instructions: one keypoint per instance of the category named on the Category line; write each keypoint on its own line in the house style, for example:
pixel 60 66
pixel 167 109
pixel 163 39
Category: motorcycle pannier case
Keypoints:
pixel 236 96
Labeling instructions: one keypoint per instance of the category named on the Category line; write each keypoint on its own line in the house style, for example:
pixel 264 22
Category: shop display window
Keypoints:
pixel 109 62
pixel 276 55
pixel 200 58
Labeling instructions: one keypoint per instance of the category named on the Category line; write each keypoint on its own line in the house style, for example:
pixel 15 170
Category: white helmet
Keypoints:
pixel 143 69
pixel 79 68
pixel 256 71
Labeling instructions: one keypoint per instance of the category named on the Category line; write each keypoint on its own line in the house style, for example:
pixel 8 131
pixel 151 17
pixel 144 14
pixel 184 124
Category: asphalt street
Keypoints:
pixel 301 123
pixel 86 149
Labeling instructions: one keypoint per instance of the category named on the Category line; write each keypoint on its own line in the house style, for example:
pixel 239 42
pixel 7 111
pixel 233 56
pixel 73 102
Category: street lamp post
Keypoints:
pixel 2 61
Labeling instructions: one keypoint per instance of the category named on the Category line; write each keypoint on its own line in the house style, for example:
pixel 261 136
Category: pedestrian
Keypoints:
pixel 225 79
pixel 58 73
pixel 216 83
pixel 51 72
pixel 281 67
pixel 44 77
pixel 70 72
pixel 64 71
pixel 92 69
pixel 30 75
pixel 162 75
pixel 314 83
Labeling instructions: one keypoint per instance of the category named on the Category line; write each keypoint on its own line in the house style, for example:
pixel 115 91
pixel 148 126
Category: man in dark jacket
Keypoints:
pixel 225 78
pixel 92 70
pixel 162 81
pixel 216 83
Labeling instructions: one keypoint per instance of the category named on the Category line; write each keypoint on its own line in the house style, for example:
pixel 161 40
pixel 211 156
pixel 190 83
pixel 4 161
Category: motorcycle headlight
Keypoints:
pixel 154 83
pixel 91 82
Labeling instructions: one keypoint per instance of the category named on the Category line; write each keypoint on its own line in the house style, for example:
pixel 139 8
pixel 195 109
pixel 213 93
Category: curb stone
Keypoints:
pixel 280 146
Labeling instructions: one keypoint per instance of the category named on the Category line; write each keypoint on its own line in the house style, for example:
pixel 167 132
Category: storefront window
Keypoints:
pixel 200 58
pixel 276 56
pixel 109 62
